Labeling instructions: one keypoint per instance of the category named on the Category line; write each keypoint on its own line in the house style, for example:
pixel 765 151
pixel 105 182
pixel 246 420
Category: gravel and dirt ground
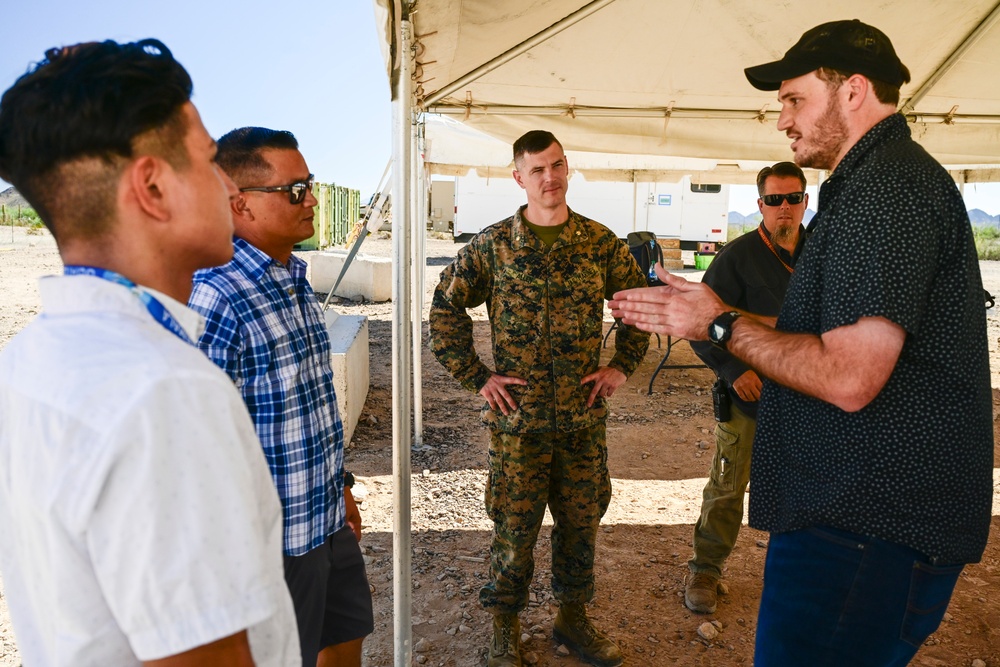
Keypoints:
pixel 660 447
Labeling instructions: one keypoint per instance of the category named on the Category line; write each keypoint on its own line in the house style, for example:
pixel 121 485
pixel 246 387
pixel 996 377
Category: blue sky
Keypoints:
pixel 312 67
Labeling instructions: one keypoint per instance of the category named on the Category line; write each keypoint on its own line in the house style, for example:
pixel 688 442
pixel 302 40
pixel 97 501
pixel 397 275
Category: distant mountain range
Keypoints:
pixel 980 218
pixel 977 217
pixel 11 197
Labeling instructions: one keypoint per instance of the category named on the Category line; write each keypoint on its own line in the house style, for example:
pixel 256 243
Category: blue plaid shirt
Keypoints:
pixel 265 328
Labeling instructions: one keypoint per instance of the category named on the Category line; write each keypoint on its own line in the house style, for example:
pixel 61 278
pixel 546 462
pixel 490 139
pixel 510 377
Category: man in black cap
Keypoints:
pixel 872 464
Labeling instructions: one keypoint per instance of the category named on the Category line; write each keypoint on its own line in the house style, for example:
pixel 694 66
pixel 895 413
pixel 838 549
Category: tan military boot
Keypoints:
pixel 505 647
pixel 574 629
pixel 701 592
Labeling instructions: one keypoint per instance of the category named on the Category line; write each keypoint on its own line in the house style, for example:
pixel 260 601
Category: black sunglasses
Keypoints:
pixel 793 198
pixel 296 191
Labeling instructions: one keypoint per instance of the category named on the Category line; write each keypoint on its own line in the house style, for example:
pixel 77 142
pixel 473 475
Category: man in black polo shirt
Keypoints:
pixel 752 274
pixel 873 461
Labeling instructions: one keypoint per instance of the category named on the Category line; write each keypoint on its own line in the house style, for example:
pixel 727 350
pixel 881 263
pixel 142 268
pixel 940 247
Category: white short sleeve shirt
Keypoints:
pixel 137 511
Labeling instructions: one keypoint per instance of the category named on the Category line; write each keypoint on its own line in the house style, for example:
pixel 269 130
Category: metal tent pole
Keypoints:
pixel 402 225
pixel 416 252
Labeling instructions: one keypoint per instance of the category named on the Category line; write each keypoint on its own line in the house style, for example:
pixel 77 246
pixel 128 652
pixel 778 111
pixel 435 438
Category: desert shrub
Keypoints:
pixel 19 216
pixel 736 231
pixel 987 240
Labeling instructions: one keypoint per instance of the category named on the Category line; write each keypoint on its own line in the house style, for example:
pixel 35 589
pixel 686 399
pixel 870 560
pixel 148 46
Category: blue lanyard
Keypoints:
pixel 155 308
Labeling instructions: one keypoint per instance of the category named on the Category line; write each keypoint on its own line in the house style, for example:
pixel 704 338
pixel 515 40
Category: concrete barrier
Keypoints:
pixel 370 277
pixel 349 358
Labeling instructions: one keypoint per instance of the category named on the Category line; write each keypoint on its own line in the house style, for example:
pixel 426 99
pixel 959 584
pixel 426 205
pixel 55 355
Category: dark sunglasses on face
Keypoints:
pixel 296 191
pixel 793 198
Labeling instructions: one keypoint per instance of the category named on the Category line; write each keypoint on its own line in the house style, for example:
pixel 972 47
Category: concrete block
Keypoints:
pixel 370 277
pixel 349 359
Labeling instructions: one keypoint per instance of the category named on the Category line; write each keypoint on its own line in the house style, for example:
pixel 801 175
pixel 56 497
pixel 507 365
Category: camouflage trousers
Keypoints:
pixel 569 473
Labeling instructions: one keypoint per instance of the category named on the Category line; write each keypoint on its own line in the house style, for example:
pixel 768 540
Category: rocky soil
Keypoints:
pixel 660 447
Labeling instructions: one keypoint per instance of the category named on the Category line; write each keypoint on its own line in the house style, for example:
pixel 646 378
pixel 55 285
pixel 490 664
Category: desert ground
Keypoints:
pixel 660 447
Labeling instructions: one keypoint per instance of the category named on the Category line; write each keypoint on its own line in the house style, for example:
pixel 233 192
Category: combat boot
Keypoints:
pixel 701 592
pixel 574 629
pixel 505 647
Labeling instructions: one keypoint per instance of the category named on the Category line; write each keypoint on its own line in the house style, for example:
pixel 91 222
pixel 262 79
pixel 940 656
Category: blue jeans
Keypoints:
pixel 835 598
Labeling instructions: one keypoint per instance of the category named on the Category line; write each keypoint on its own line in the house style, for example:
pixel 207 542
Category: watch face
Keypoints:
pixel 716 332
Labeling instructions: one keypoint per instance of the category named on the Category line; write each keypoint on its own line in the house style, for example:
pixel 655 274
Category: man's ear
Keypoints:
pixel 240 209
pixel 146 179
pixel 517 178
pixel 858 89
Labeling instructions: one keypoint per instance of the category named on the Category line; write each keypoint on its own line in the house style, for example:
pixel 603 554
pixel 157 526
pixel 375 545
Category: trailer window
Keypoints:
pixel 712 188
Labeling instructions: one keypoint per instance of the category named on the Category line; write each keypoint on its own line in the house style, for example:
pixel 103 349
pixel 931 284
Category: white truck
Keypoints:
pixel 691 212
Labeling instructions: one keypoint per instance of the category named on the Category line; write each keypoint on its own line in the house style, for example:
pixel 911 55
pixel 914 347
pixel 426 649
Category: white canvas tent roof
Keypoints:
pixel 665 77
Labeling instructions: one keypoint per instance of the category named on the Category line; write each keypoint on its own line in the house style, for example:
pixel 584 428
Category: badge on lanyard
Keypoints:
pixel 154 307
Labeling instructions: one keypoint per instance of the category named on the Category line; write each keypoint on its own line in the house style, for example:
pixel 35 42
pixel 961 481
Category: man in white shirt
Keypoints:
pixel 140 523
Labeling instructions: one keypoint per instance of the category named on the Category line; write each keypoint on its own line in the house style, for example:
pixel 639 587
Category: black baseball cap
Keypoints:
pixel 849 46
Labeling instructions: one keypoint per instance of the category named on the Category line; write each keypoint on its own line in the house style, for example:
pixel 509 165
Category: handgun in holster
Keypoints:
pixel 721 401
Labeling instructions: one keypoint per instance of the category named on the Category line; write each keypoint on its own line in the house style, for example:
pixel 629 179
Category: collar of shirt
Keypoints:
pixel 253 261
pixel 64 295
pixel 891 128
pixel 522 237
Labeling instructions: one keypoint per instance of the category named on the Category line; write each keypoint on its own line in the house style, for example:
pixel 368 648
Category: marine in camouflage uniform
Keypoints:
pixel 546 310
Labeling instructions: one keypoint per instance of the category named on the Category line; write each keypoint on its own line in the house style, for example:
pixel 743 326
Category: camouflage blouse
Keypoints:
pixel 546 310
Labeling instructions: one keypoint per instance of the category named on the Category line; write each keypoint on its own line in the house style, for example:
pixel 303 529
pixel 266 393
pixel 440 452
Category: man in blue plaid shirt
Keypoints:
pixel 266 329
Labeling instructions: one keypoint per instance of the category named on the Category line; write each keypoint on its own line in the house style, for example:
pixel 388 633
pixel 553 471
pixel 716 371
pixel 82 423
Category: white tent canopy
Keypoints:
pixel 665 77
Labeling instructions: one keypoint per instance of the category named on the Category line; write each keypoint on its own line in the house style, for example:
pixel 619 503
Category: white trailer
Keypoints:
pixel 691 212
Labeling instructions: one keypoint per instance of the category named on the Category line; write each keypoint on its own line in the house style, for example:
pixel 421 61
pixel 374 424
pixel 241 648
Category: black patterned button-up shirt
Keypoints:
pixel 891 239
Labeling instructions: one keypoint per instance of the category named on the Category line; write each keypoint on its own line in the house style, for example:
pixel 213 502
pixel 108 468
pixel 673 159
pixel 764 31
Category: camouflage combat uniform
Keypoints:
pixel 546 309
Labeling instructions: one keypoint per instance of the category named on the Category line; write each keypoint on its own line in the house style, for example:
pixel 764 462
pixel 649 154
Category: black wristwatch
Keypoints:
pixel 348 479
pixel 721 329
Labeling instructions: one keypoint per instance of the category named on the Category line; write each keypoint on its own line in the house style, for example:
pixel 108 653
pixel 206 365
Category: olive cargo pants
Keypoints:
pixel 722 501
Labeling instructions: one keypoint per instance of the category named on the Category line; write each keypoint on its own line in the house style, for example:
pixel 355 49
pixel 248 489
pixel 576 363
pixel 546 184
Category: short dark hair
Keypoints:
pixel 781 170
pixel 886 93
pixel 68 126
pixel 239 152
pixel 533 142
